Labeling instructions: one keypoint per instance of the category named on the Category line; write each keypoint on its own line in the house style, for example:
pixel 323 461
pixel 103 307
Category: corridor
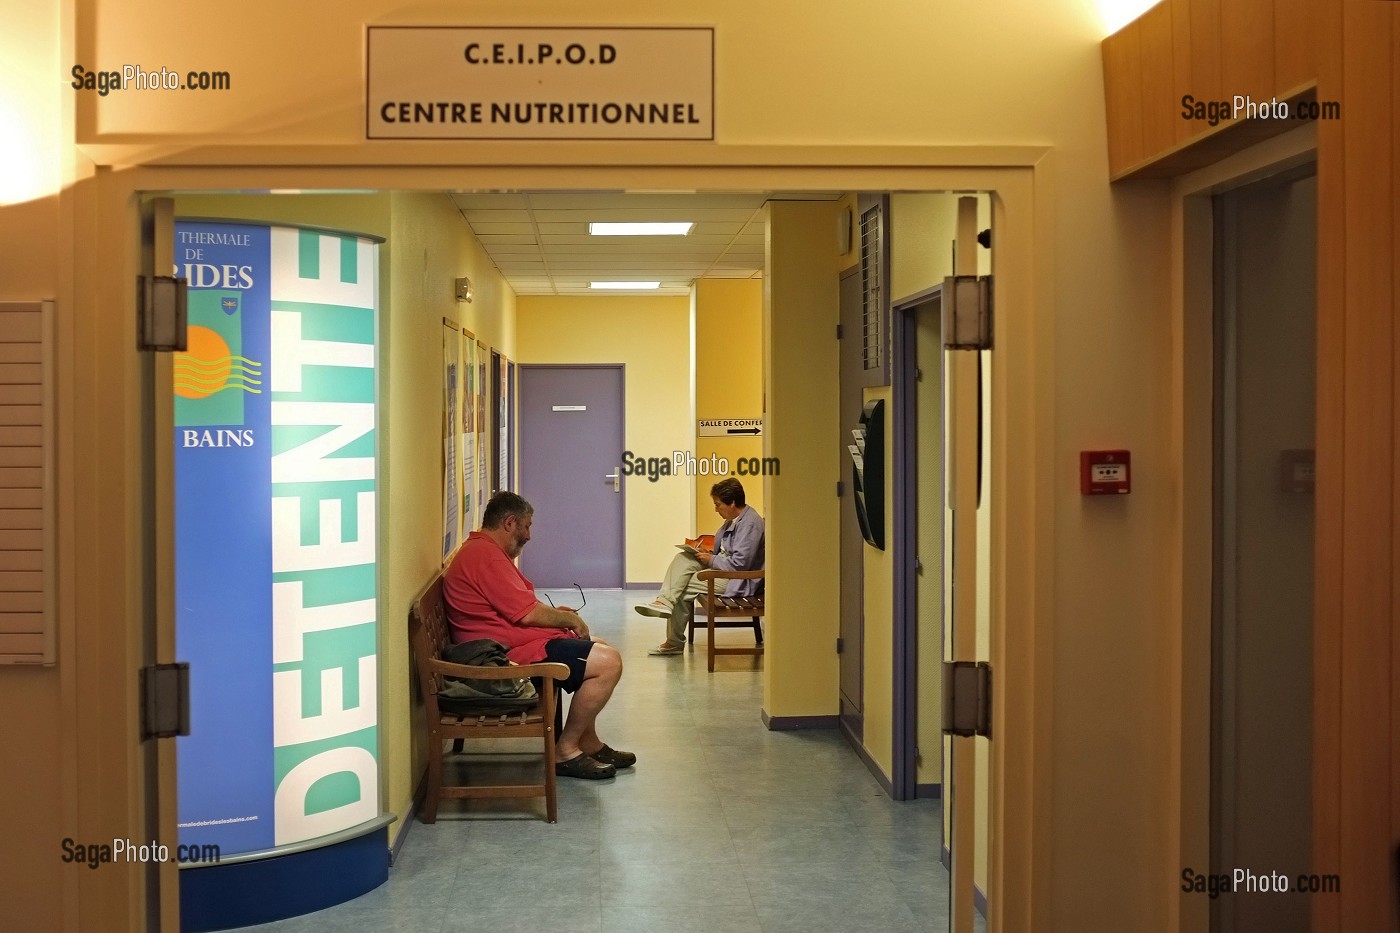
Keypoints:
pixel 722 826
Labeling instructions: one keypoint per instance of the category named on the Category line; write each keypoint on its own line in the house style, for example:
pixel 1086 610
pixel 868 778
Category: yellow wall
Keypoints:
pixel 728 381
pixel 799 320
pixel 1095 272
pixel 429 246
pixel 37 801
pixel 878 607
pixel 650 336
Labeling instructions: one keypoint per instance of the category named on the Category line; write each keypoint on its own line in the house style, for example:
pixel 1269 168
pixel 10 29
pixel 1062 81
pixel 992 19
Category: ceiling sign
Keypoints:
pixel 517 82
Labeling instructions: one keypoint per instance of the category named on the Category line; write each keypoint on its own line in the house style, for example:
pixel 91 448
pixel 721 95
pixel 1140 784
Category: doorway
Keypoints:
pixel 1262 593
pixel 571 428
pixel 556 447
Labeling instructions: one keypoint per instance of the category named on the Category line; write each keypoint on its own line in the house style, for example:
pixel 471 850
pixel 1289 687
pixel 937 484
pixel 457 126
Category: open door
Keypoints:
pixel 967 611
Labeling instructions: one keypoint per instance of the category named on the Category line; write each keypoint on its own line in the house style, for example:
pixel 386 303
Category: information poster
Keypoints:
pixel 503 419
pixel 451 442
pixel 471 512
pixel 483 390
pixel 275 564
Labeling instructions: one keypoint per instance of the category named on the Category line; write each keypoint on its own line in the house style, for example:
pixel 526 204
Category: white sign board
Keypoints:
pixel 516 82
pixel 730 427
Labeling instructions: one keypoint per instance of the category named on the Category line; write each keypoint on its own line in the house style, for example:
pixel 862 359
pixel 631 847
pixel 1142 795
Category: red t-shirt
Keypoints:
pixel 487 596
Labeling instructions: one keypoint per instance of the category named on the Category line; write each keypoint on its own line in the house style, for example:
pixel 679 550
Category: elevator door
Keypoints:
pixel 1261 678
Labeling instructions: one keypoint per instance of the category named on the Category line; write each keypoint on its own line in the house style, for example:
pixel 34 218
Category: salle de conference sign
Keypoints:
pixel 446 82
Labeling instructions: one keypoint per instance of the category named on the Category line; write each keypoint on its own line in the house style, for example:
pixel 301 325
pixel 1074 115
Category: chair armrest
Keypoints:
pixel 729 575
pixel 551 670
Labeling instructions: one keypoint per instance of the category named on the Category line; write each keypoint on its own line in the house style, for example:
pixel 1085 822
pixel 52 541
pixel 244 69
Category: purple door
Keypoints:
pixel 570 448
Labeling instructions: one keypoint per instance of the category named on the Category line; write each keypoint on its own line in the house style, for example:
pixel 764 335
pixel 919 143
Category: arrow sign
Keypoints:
pixel 725 427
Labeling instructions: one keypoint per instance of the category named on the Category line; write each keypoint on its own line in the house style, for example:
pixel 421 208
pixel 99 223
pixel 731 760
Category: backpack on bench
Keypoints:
pixel 467 695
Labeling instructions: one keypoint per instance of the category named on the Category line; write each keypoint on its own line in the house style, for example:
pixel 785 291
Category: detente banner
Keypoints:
pixel 275 573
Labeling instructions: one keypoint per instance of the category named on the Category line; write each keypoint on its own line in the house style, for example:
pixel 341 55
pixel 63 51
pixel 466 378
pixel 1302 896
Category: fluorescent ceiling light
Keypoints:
pixel 637 286
pixel 680 228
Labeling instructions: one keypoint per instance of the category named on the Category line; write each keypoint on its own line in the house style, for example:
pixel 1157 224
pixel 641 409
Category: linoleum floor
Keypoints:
pixel 723 826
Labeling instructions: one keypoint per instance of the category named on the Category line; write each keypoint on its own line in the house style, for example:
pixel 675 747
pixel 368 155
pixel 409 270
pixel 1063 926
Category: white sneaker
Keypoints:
pixel 657 609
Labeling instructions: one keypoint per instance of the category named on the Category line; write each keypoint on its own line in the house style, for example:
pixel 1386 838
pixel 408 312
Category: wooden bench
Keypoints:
pixel 728 611
pixel 429 637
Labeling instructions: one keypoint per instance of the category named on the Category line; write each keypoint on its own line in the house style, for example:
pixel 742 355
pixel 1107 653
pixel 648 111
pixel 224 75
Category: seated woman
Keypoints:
pixel 738 546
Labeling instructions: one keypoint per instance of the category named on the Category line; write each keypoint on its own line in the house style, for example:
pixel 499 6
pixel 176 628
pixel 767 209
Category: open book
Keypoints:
pixel 694 546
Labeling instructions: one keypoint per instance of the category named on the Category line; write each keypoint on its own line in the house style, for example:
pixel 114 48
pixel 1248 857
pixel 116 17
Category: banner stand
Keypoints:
pixel 276 574
pixel 261 889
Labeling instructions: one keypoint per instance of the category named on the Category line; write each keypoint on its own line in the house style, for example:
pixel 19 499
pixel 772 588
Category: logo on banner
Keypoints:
pixel 213 377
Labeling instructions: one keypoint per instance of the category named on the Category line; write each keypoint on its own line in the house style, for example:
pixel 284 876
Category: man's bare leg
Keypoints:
pixel 601 673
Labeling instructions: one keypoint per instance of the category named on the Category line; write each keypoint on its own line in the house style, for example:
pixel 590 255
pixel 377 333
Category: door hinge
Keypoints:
pixel 165 700
pixel 967 312
pixel 840 645
pixel 918 566
pixel 838 331
pixel 840 488
pixel 967 698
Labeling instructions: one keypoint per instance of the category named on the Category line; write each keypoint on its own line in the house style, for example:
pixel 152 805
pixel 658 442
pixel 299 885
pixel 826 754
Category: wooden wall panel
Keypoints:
pixel 1295 43
pixel 1122 60
pixel 1182 77
pixel 1123 101
pixel 1394 898
pixel 1356 738
pixel 1205 49
pixel 1247 48
pixel 1368 499
pixel 1262 49
pixel 1160 113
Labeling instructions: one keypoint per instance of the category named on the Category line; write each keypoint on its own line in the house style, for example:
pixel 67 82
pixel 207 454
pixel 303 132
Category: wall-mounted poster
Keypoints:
pixel 482 429
pixel 471 504
pixel 451 442
pixel 275 563
pixel 502 425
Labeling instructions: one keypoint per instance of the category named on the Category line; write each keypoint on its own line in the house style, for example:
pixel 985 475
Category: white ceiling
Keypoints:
pixel 540 242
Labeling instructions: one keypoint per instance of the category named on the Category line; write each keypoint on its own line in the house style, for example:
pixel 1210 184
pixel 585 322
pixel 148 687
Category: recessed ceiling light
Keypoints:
pixel 637 286
pixel 680 228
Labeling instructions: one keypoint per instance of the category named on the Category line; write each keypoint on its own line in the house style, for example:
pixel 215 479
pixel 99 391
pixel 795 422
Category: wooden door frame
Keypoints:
pixel 1019 178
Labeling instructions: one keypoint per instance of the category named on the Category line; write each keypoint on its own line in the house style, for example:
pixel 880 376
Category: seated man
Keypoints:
pixel 738 546
pixel 488 597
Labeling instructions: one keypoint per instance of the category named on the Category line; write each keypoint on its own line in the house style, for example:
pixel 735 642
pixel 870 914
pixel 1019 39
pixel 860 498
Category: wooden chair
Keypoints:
pixel 428 634
pixel 728 611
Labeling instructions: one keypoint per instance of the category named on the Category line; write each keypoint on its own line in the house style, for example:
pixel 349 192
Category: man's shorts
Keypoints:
pixel 574 653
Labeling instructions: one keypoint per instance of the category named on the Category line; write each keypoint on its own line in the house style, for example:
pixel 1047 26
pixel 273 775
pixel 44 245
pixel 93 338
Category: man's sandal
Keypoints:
pixel 584 766
pixel 666 651
pixel 611 756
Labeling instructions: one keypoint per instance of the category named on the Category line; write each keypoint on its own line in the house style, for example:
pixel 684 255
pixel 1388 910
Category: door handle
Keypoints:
pixel 615 478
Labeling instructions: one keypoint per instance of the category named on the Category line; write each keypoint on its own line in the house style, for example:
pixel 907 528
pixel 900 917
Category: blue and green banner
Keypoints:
pixel 275 574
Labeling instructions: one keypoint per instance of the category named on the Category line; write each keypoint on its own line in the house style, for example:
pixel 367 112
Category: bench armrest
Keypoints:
pixel 550 670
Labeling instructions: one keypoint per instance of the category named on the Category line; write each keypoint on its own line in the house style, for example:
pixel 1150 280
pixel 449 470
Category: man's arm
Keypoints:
pixel 542 616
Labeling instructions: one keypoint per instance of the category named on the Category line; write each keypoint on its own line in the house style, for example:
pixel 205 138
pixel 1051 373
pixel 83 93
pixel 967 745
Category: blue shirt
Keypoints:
pixel 739 546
